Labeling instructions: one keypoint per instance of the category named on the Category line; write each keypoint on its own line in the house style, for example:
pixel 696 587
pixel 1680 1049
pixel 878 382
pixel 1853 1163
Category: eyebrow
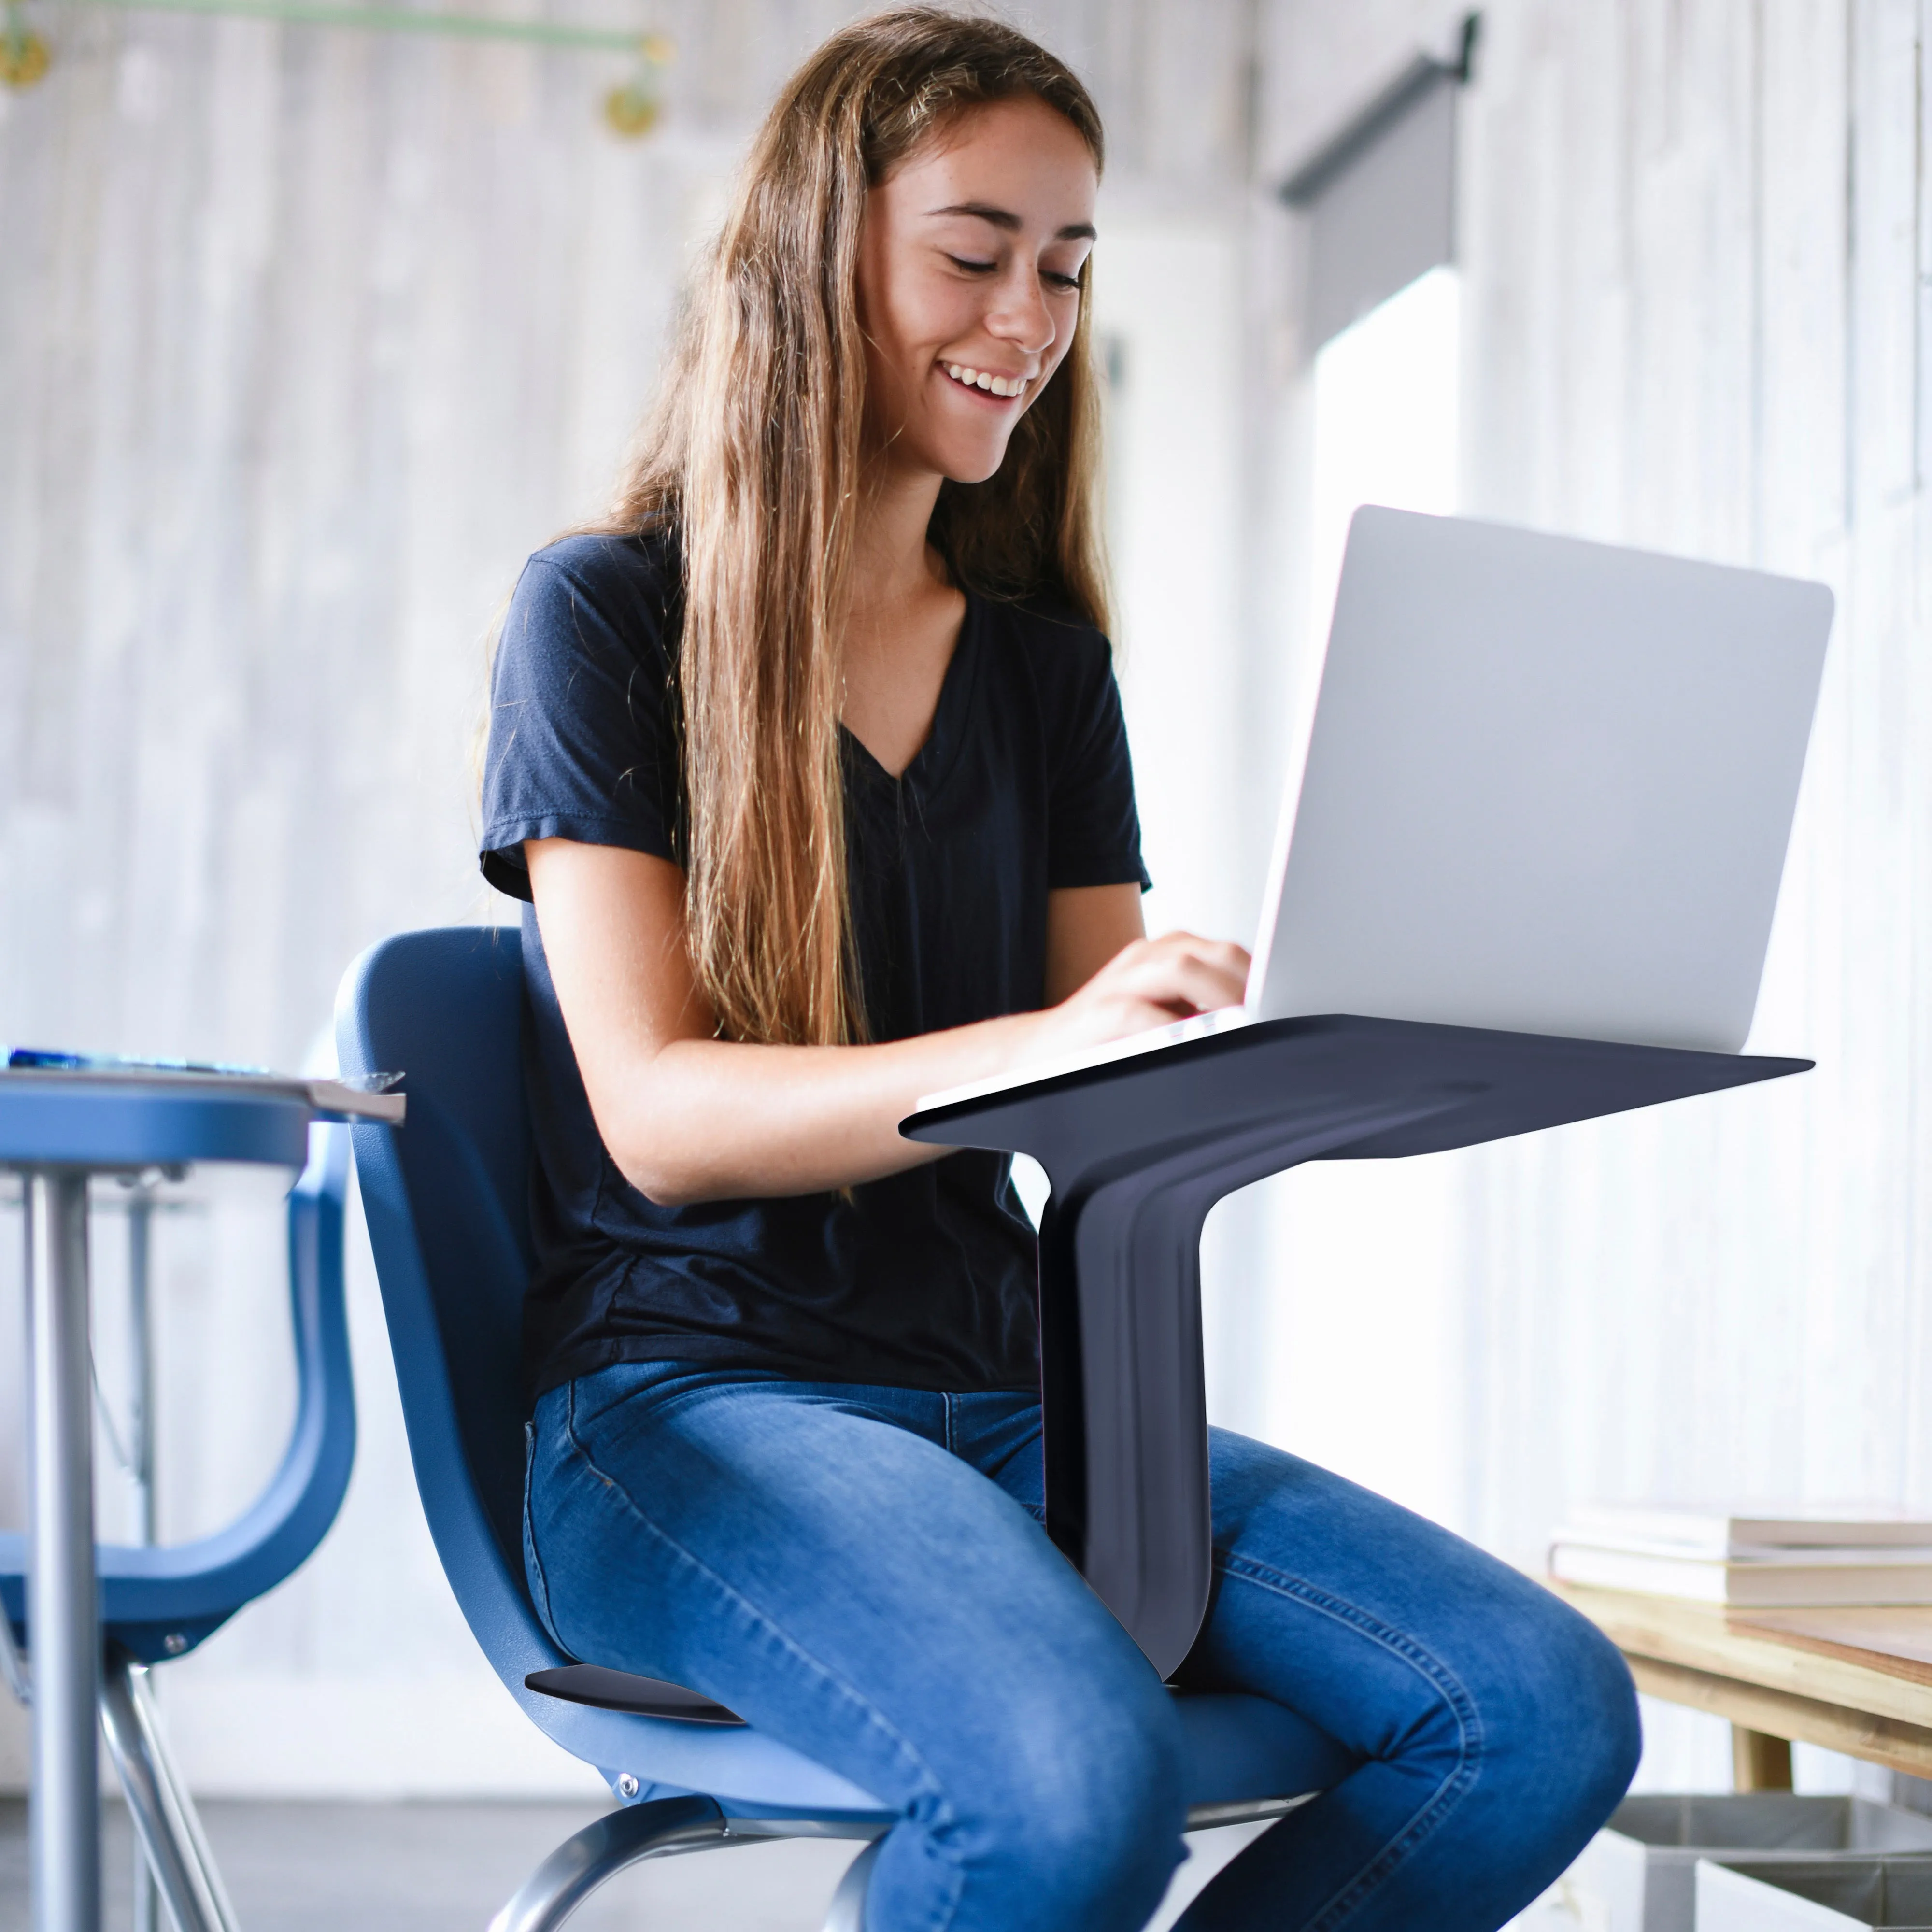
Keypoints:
pixel 1004 217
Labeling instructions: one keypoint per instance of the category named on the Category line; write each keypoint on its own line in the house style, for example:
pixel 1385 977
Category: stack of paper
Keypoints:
pixel 1761 1557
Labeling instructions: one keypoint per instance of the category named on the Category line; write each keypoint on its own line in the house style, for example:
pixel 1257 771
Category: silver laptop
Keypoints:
pixel 1549 790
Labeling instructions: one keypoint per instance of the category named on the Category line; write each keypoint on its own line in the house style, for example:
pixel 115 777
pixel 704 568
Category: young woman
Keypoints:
pixel 812 767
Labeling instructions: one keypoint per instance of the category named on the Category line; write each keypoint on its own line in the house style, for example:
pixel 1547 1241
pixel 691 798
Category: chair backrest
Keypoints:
pixel 158 1601
pixel 446 1200
pixel 446 1196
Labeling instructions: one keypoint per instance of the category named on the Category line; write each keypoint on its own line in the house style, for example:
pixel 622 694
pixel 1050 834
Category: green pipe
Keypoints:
pixel 396 20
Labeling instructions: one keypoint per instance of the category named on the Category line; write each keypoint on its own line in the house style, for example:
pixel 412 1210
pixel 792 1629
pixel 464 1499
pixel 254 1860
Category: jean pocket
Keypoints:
pixel 533 1570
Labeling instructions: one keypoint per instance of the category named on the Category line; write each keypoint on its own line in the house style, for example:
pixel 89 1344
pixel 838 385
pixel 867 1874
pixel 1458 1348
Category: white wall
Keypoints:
pixel 1170 304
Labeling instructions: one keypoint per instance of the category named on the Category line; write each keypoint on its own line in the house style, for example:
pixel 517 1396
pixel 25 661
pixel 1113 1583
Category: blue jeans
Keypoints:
pixel 862 1573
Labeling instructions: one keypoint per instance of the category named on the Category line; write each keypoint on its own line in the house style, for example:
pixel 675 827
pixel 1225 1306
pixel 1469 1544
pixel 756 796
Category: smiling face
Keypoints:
pixel 969 288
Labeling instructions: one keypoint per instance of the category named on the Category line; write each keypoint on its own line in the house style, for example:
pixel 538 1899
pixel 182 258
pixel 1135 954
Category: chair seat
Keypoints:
pixel 1235 1751
pixel 1238 1748
pixel 1235 1748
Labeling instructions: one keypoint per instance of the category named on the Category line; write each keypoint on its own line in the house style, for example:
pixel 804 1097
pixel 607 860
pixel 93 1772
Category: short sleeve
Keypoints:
pixel 1093 835
pixel 583 738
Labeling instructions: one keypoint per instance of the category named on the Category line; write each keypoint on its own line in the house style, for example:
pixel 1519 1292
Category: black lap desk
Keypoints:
pixel 1139 1149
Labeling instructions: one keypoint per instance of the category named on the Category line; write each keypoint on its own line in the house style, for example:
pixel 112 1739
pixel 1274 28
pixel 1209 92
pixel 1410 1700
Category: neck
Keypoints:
pixel 890 561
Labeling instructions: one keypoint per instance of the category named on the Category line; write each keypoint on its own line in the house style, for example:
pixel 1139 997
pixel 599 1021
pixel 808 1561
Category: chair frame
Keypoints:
pixel 666 1826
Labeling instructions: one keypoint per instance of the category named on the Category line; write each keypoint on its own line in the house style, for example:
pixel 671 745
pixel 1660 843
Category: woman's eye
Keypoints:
pixel 1060 281
pixel 972 267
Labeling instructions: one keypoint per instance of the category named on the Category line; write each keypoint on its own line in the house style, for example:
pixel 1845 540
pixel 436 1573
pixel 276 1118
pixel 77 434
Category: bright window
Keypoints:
pixel 1386 419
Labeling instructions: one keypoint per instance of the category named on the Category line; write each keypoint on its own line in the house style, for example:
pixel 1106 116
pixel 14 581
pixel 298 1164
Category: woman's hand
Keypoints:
pixel 1149 982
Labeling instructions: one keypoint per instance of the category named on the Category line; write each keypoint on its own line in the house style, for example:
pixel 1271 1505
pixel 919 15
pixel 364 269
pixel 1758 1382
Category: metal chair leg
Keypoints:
pixel 601 1850
pixel 847 1913
pixel 163 1814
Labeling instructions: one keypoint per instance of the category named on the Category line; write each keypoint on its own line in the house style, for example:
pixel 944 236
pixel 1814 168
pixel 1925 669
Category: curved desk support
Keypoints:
pixel 1140 1148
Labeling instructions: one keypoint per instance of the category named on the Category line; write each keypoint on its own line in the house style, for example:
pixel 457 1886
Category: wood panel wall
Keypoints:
pixel 1695 256
pixel 307 337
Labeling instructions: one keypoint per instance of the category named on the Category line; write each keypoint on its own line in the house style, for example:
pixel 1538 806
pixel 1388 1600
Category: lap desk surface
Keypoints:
pixel 1139 1149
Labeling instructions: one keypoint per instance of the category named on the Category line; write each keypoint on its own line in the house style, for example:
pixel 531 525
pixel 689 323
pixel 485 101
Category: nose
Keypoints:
pixel 1020 315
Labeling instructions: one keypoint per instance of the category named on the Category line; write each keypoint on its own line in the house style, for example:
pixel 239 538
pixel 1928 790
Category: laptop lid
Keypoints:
pixel 1549 787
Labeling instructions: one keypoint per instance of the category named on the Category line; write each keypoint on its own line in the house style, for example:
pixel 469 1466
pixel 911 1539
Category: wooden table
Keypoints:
pixel 1856 1681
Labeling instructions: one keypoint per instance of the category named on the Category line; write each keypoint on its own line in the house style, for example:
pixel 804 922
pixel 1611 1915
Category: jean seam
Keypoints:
pixel 1448 1686
pixel 925 1780
pixel 535 1575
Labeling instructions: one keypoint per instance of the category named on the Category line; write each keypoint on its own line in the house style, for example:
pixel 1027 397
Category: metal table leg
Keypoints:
pixel 141 1455
pixel 64 1822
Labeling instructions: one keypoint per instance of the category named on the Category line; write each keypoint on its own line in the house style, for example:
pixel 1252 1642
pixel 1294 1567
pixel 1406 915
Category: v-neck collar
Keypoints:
pixel 928 766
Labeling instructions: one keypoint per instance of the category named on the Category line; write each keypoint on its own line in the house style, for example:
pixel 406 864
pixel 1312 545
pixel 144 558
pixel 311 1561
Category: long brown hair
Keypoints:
pixel 753 461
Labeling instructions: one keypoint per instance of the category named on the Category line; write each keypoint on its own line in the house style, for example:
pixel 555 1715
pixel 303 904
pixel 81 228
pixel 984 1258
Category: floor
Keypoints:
pixel 443 1867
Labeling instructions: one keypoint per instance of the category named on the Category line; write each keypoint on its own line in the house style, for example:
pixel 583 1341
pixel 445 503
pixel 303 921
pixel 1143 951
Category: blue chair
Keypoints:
pixel 159 1603
pixel 446 1198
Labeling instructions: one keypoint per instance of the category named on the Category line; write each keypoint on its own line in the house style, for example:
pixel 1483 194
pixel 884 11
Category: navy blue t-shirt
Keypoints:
pixel 925 1280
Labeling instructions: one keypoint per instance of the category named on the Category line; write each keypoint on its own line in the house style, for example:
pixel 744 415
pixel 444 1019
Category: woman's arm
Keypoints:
pixel 687 1117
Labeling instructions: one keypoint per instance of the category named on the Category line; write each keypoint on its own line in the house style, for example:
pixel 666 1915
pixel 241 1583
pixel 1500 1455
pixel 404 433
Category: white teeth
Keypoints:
pixel 978 378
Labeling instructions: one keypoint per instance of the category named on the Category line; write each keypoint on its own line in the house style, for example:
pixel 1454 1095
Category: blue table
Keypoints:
pixel 57 1129
pixel 1139 1148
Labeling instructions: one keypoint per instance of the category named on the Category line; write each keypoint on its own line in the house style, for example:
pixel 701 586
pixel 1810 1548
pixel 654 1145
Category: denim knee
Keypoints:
pixel 1573 1733
pixel 1080 1812
pixel 1611 1760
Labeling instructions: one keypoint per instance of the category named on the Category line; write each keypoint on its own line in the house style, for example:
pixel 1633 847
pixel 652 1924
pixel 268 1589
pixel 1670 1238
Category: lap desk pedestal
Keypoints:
pixel 1138 1149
